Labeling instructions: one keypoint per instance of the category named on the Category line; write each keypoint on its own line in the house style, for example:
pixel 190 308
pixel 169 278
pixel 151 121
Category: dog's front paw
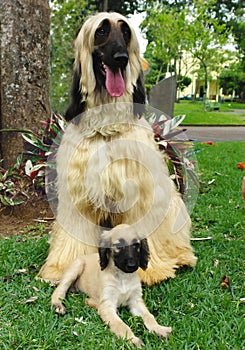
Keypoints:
pixel 59 308
pixel 162 331
pixel 137 341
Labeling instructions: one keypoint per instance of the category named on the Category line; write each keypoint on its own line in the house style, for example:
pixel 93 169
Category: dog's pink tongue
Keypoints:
pixel 114 82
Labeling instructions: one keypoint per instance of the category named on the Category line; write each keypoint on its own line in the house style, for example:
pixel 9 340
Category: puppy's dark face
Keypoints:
pixel 125 248
pixel 110 56
pixel 126 257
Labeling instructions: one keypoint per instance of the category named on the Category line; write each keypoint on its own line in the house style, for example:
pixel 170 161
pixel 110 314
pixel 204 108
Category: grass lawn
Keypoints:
pixel 195 113
pixel 203 314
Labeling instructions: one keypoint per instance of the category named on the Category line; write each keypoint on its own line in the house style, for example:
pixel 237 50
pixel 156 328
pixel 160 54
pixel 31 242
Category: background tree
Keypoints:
pixel 231 13
pixel 165 31
pixel 66 20
pixel 183 82
pixel 206 38
pixel 125 7
pixel 232 79
pixel 171 30
pixel 24 71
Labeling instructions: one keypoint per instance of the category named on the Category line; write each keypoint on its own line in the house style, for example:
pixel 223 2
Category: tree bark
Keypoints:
pixel 24 71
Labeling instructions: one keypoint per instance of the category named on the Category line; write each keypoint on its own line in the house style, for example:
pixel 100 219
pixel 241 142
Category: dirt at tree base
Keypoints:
pixel 15 220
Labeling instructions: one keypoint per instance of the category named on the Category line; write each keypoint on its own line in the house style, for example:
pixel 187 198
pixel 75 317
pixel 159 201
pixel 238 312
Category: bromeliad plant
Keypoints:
pixel 27 176
pixel 43 145
pixel 40 165
pixel 15 186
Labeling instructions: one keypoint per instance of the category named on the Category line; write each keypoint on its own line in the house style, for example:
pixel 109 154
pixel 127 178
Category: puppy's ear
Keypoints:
pixel 77 104
pixel 104 254
pixel 144 254
pixel 139 96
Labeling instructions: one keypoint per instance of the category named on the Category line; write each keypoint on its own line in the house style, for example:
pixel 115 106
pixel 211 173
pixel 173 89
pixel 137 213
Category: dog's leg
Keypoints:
pixel 138 308
pixel 92 303
pixel 74 270
pixel 108 313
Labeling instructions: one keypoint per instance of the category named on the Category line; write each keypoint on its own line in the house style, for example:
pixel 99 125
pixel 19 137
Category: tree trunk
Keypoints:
pixel 24 71
pixel 205 86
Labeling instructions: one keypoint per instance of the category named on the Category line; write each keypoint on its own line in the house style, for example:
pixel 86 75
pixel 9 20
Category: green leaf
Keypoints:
pixel 3 200
pixel 18 202
pixel 9 201
pixel 18 161
pixel 33 140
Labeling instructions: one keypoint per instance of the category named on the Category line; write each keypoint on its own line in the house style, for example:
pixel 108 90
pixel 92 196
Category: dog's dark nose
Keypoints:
pixel 131 265
pixel 121 58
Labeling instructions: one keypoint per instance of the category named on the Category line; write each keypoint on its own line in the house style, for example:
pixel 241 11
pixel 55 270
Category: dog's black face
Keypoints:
pixel 127 257
pixel 110 56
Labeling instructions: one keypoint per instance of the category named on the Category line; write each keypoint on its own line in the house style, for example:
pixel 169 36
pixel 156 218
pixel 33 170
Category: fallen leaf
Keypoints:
pixel 80 320
pixel 198 219
pixel 225 282
pixel 20 271
pixel 210 143
pixel 242 300
pixel 29 300
pixel 201 238
pixel 216 262
pixel 241 165
pixel 14 343
pixel 7 278
pixel 75 333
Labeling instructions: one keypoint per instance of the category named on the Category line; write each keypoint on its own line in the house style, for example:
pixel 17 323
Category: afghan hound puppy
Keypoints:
pixel 110 280
pixel 110 170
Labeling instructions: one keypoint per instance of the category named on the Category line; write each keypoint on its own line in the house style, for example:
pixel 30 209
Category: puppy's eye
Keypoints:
pixel 136 246
pixel 118 247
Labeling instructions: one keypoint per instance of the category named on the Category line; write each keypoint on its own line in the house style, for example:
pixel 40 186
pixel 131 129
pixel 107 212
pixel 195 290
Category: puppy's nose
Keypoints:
pixel 131 263
pixel 121 58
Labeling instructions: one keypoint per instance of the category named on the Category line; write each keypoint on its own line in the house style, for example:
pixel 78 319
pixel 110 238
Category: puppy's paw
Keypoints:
pixel 59 308
pixel 162 331
pixel 137 341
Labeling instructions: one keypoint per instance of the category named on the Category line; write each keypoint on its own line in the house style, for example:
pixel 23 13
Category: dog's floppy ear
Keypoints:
pixel 139 96
pixel 104 254
pixel 77 104
pixel 144 254
pixel 104 251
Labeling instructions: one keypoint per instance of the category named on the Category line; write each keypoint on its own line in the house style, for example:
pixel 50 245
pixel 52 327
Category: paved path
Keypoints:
pixel 215 133
pixel 237 111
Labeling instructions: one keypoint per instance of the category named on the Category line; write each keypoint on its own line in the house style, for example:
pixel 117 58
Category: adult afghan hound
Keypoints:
pixel 110 170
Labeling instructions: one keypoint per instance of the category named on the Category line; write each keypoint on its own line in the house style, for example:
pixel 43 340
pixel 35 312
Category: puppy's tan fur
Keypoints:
pixel 109 289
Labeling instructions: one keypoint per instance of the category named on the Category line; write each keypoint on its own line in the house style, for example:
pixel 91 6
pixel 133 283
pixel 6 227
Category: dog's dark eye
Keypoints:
pixel 126 32
pixel 101 31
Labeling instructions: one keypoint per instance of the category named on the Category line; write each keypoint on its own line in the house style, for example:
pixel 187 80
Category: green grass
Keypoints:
pixel 203 315
pixel 195 114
